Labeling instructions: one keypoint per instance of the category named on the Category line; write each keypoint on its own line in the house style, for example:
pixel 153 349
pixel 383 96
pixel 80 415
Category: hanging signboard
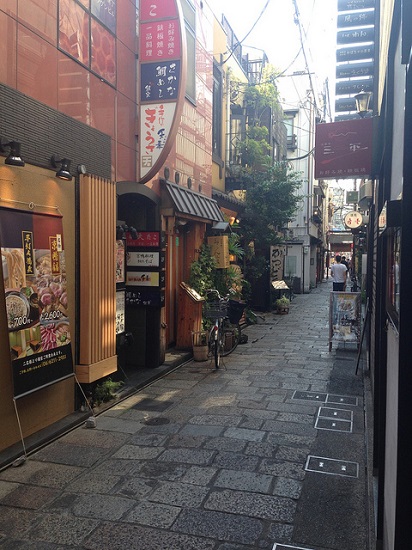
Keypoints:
pixel 355 36
pixel 162 77
pixel 356 19
pixel 345 318
pixel 355 70
pixel 355 53
pixel 346 87
pixel 349 5
pixel 34 275
pixel 344 149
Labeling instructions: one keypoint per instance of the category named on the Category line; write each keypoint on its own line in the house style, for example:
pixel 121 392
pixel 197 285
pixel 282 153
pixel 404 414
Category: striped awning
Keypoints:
pixel 191 203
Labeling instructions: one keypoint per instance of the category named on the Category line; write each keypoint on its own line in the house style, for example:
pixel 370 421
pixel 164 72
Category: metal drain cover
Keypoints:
pixel 332 466
pixel 287 547
pixel 157 421
pixel 309 395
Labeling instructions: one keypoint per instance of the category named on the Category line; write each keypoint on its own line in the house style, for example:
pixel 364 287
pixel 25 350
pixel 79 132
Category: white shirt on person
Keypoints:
pixel 338 273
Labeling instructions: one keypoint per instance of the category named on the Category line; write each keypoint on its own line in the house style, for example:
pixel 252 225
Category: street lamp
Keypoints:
pixel 362 102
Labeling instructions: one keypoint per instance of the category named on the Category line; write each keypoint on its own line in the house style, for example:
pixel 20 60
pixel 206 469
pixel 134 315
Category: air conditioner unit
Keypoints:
pixel 365 195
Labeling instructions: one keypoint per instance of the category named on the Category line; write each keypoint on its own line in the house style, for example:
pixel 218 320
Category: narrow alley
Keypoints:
pixel 269 452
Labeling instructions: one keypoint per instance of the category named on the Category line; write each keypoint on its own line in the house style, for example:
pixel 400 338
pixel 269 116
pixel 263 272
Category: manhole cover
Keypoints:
pixel 158 421
pixel 309 396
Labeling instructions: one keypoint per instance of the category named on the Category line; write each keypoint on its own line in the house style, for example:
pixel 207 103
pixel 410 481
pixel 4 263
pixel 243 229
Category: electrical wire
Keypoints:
pixel 247 34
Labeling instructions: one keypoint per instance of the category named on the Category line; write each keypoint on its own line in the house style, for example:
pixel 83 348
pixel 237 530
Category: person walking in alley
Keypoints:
pixel 338 273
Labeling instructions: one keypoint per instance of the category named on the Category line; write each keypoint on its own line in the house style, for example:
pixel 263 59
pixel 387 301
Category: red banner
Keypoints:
pixel 34 275
pixel 344 149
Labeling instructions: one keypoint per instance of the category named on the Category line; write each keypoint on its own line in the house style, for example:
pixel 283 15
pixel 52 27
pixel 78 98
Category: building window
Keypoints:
pixel 189 15
pixel 87 36
pixel 217 112
pixel 289 122
pixel 394 264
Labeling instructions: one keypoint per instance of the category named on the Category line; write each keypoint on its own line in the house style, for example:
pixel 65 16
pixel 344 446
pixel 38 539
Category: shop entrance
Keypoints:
pixel 139 210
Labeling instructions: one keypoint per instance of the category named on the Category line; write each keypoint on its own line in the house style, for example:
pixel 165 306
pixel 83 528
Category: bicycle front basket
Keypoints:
pixel 236 310
pixel 214 310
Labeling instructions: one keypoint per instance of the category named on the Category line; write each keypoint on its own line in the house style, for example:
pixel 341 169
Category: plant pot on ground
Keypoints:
pixel 282 305
pixel 200 345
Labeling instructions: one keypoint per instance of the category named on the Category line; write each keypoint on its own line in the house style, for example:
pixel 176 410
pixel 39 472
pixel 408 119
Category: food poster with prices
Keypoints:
pixel 34 276
pixel 345 317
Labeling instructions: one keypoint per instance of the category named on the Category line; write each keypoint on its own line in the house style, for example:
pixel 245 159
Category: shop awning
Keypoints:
pixel 191 203
pixel 228 201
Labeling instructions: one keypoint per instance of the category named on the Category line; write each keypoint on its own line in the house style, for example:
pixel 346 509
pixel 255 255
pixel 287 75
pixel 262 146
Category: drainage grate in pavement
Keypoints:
pixel 309 396
pixel 338 420
pixel 332 466
pixel 286 546
pixel 342 400
pixel 157 421
pixel 336 414
pixel 152 405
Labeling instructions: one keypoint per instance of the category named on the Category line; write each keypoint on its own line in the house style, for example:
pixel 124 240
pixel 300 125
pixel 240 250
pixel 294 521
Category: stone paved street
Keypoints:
pixel 268 452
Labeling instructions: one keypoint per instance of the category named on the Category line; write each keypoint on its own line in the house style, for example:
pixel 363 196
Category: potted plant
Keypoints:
pixel 200 345
pixel 282 305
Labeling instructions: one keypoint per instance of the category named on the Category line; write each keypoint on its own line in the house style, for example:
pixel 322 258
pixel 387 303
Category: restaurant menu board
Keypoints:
pixel 345 317
pixel 145 271
pixel 35 285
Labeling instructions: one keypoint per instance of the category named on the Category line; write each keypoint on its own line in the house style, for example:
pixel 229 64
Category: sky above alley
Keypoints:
pixel 278 35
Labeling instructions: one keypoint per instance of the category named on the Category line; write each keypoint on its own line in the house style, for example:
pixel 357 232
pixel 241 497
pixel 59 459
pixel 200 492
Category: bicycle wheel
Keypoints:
pixel 231 337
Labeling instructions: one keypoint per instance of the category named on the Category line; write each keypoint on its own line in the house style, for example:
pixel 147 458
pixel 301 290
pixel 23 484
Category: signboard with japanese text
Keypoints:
pixel 348 5
pixel 356 19
pixel 142 278
pixel 352 36
pixel 120 311
pixel 145 275
pixel 162 78
pixel 354 70
pixel 120 261
pixel 34 275
pixel 277 258
pixel 145 239
pixel 219 248
pixel 155 122
pixel 143 259
pixel 355 53
pixel 345 318
pixel 354 86
pixel 160 40
pixel 159 81
pixel 144 297
pixel 344 149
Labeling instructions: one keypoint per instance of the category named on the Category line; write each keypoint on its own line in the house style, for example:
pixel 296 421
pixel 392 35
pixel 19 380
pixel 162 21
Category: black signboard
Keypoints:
pixel 356 19
pixel 349 5
pixel 159 81
pixel 347 104
pixel 353 53
pixel 144 297
pixel 345 87
pixel 356 36
pixel 354 70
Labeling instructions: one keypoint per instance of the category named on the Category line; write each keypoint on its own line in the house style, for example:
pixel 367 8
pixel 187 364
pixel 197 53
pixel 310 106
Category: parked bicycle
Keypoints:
pixel 225 333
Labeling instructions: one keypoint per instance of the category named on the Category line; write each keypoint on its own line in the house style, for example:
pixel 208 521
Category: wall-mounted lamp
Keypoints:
pixel 64 171
pixel 13 158
pixel 362 102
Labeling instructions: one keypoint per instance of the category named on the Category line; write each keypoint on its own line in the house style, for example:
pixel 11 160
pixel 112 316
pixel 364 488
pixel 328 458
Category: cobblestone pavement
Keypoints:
pixel 266 453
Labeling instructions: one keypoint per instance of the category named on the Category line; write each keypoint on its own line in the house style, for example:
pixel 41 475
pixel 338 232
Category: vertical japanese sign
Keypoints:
pixel 162 64
pixel 277 258
pixel 34 275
